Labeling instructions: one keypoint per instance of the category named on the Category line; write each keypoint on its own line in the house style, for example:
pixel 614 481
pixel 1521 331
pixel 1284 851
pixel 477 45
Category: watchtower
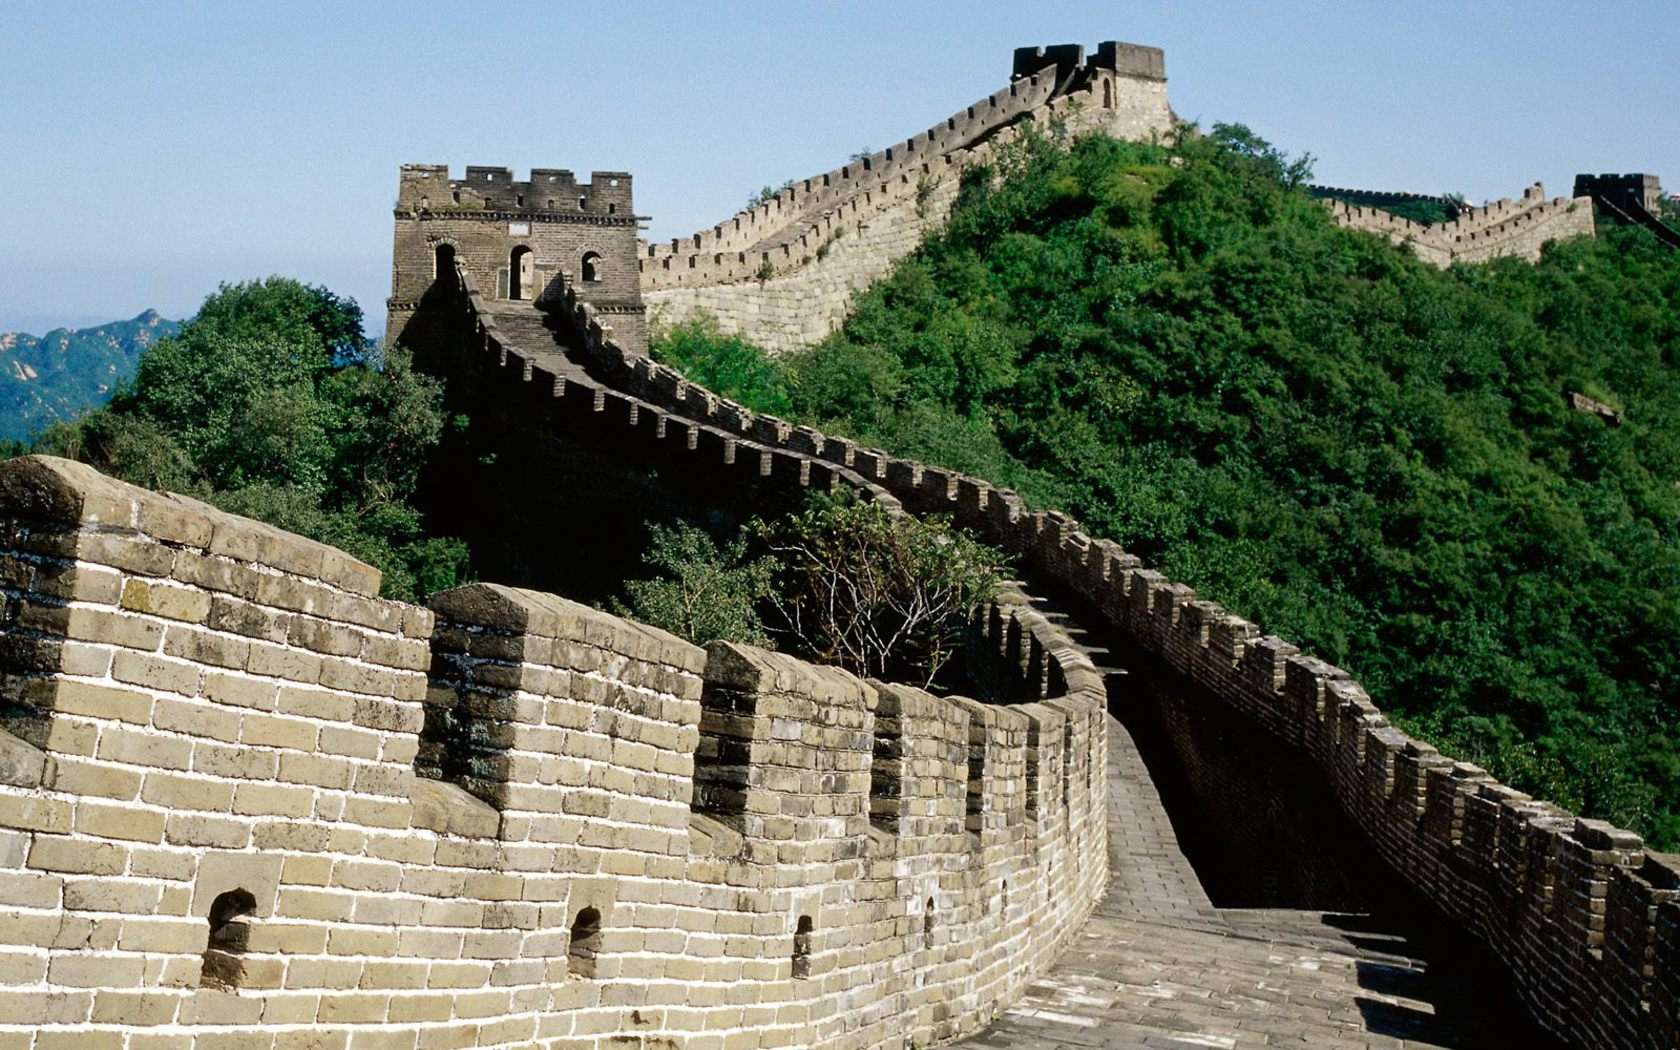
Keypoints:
pixel 521 242
pixel 1641 189
pixel 1074 70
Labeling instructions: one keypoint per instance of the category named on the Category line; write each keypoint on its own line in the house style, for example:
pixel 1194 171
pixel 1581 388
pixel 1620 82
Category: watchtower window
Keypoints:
pixel 230 935
pixel 443 263
pixel 456 194
pixel 585 945
pixel 519 200
pixel 583 202
pixel 521 273
pixel 612 209
pixel 802 948
pixel 591 266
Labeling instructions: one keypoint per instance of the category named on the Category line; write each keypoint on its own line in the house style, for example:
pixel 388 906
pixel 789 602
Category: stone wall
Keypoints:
pixel 784 273
pixel 245 803
pixel 1506 227
pixel 1585 917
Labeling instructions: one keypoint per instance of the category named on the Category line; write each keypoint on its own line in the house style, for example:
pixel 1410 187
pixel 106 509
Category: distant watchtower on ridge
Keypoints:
pixel 521 242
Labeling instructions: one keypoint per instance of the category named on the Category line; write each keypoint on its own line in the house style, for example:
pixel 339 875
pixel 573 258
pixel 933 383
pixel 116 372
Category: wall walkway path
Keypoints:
pixel 1158 967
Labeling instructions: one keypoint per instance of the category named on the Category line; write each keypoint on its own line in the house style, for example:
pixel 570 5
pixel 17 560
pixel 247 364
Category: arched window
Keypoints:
pixel 927 925
pixel 802 948
pixel 230 935
pixel 521 275
pixel 585 944
pixel 592 266
pixel 443 263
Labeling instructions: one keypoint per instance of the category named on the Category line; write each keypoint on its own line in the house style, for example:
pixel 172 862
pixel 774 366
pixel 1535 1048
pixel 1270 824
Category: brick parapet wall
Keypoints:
pixel 214 708
pixel 1506 227
pixel 1580 911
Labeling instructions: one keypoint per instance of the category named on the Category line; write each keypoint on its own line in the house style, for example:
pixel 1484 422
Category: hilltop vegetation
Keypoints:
pixel 53 377
pixel 1369 456
pixel 271 403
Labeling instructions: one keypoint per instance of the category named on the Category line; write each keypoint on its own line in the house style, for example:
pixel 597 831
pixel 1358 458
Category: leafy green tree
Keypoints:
pixel 726 365
pixel 272 404
pixel 882 596
pixel 700 591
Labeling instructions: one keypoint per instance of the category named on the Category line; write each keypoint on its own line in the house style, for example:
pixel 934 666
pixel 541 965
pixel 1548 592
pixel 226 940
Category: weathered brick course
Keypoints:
pixel 229 737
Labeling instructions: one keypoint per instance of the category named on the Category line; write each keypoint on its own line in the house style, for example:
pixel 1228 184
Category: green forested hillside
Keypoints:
pixel 1371 457
pixel 51 378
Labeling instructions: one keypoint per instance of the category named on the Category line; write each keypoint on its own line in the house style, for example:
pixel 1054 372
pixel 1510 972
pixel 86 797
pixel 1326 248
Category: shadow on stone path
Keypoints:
pixel 1158 966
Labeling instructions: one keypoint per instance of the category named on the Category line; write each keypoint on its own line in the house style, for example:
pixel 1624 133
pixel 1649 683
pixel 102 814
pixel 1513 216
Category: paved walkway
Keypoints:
pixel 1159 967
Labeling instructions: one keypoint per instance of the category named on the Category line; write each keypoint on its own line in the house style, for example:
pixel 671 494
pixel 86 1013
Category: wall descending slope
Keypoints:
pixel 1585 917
pixel 244 802
pixel 783 273
pixel 1506 227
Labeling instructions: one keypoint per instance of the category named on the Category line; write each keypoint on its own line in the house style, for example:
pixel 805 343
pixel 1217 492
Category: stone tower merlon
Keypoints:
pixel 1073 69
pixel 553 192
pixel 521 241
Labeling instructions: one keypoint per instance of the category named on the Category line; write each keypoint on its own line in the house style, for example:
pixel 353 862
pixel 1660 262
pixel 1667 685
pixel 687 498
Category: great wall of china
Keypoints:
pixel 784 272
pixel 244 802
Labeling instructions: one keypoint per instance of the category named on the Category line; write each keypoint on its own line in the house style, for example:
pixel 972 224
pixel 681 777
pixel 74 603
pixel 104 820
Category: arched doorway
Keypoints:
pixel 443 262
pixel 521 273
pixel 592 266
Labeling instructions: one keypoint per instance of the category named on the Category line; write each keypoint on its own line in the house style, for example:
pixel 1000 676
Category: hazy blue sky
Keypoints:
pixel 156 149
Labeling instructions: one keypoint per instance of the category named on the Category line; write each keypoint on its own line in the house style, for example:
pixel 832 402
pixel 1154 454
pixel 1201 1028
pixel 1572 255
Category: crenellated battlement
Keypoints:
pixel 266 800
pixel 550 194
pixel 1505 227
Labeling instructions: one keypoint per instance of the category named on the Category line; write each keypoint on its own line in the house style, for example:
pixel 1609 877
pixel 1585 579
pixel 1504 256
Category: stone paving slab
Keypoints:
pixel 1159 967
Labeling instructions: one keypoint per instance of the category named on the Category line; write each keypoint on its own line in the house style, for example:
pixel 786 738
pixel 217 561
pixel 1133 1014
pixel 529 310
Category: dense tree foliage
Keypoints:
pixel 843 582
pixel 1367 455
pixel 883 596
pixel 700 590
pixel 272 404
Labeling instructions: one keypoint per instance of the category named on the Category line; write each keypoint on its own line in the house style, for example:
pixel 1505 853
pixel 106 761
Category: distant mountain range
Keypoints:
pixel 60 374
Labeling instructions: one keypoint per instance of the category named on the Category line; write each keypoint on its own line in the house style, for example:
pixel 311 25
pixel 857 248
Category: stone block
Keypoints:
pixel 239 691
pixel 21 765
pixel 155 598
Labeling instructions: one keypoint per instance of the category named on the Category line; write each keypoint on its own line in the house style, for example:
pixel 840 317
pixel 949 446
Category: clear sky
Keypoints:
pixel 157 149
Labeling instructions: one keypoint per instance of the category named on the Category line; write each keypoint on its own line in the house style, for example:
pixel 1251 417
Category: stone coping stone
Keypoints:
pixel 518 610
pixel 65 492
